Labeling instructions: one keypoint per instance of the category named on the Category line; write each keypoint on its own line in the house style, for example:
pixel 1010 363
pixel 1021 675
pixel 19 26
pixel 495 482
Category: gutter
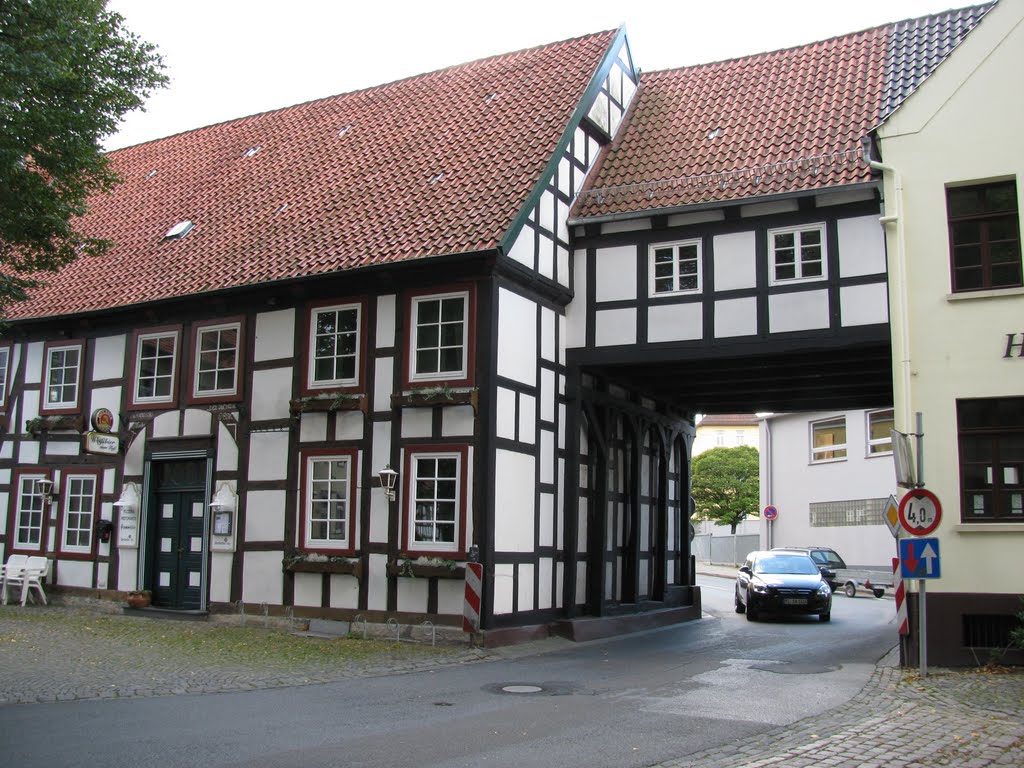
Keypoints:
pixel 895 220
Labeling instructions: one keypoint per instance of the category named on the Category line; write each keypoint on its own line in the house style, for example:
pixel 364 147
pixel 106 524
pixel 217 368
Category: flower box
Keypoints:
pixel 327 404
pixel 351 568
pixel 425 398
pixel 424 571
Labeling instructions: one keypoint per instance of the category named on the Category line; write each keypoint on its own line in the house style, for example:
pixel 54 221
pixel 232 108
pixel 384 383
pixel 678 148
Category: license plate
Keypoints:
pixel 794 601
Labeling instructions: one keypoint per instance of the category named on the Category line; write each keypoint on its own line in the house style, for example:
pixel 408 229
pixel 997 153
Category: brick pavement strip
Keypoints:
pixel 958 718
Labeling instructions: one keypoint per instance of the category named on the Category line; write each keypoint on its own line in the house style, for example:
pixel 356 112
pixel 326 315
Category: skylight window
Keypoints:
pixel 179 230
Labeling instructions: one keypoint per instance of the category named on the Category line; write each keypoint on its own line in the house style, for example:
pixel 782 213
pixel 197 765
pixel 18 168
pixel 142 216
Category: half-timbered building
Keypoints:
pixel 508 284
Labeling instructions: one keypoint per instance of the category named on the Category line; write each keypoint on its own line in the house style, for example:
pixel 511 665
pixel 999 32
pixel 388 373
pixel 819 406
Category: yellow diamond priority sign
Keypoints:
pixel 891 516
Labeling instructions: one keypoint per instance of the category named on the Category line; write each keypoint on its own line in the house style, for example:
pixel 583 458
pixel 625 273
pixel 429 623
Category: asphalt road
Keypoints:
pixel 633 701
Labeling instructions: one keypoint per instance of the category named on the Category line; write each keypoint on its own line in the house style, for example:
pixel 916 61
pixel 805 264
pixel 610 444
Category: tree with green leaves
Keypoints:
pixel 726 484
pixel 69 71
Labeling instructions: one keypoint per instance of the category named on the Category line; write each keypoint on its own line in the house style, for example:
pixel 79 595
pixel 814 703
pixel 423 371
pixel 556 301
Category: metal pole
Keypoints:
pixel 919 439
pixel 922 629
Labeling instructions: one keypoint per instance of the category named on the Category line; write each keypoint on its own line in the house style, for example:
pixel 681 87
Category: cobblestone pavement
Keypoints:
pixel 958 718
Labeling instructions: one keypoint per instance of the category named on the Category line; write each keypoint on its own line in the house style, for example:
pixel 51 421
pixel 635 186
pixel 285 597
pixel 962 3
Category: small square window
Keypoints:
pixel 797 253
pixel 675 268
pixel 828 440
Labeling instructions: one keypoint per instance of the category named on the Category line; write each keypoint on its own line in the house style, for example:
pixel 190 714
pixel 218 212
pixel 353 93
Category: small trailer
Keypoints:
pixel 874 580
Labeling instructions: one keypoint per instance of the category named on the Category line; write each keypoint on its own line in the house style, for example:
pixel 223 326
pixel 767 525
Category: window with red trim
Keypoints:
pixel 62 377
pixel 334 346
pixel 27 516
pixel 78 512
pixel 216 361
pixel 154 366
pixel 435 500
pixel 328 500
pixel 441 338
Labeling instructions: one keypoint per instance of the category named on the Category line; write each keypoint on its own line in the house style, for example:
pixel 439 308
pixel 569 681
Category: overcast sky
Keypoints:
pixel 231 58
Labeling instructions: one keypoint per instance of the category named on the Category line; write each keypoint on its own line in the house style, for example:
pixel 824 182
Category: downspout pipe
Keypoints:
pixel 894 219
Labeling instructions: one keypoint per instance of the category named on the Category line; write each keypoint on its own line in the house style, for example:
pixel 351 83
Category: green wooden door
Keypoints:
pixel 179 546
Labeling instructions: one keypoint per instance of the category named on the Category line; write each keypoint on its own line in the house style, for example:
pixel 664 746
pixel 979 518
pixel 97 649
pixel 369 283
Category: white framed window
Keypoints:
pixel 156 357
pixel 440 337
pixel 797 253
pixel 879 432
pixel 334 346
pixel 62 377
pixel 79 507
pixel 828 440
pixel 29 514
pixel 675 268
pixel 328 491
pixel 719 437
pixel 215 373
pixel 435 501
pixel 5 360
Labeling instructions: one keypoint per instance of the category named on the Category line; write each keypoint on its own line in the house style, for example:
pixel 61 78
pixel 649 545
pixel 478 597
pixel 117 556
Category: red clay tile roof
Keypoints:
pixel 432 165
pixel 760 125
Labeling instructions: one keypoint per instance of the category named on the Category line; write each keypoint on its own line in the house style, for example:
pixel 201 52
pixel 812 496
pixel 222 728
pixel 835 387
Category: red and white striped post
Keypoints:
pixel 901 605
pixel 471 609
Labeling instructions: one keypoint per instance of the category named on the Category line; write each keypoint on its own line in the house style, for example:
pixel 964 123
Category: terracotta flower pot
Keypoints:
pixel 138 599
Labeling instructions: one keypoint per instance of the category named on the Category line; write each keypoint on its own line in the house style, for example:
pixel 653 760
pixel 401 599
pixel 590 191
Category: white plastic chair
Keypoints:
pixel 12 574
pixel 32 577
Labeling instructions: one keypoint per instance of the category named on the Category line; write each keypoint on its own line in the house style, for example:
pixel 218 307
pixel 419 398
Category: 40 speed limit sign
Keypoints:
pixel 920 512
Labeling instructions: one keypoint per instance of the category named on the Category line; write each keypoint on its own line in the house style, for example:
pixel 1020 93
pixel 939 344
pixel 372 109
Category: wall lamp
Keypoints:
pixel 129 501
pixel 223 500
pixel 388 479
pixel 44 487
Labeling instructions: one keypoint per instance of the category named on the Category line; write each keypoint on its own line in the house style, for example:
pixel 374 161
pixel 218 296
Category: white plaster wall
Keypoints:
pixel 526 583
pixel 522 249
pixel 503 586
pixel 417 422
pixel 547 211
pixel 313 427
pixel 451 596
pixel 64 447
pixel 861 246
pixel 227 450
pixel 268 455
pixel 576 311
pixel 34 362
pixel 344 591
pixel 864 304
pixel 106 397
pixel 75 573
pixel 383 383
pixel 264 515
pixel 220 576
pixel 796 482
pixel 517 337
pixel 377 599
pixel 548 324
pixel 514 486
pixel 769 209
pixel 275 335
pixel 261 578
pixel 735 261
pixel 615 278
pixel 379 456
pixel 457 421
pixel 28 453
pixel 412 595
pixel 197 422
pixel 735 317
pixel 700 217
pixel 614 327
pixel 545 574
pixel 308 589
pixel 547 456
pixel 527 418
pixel 167 424
pixel 271 391
pixel 505 407
pixel 797 311
pixel 547 394
pixel 675 322
pixel 348 426
pixel 545 255
pixel 546 532
pixel 108 359
pixel 385 321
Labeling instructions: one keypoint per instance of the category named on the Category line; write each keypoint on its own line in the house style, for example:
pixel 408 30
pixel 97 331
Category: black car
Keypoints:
pixel 782 582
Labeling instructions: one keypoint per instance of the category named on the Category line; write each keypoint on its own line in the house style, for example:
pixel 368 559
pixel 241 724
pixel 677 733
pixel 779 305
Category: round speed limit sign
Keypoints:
pixel 920 512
